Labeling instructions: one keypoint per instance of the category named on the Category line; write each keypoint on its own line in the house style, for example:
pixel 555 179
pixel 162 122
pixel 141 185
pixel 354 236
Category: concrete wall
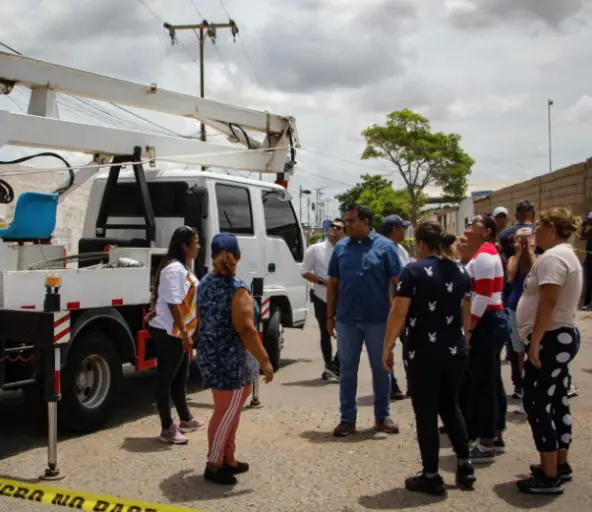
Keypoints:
pixel 570 187
pixel 70 214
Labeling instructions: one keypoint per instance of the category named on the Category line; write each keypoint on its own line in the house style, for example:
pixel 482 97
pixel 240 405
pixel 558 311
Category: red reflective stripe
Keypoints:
pixel 65 318
pixel 117 302
pixel 57 386
pixel 60 335
pixel 73 305
pixel 28 307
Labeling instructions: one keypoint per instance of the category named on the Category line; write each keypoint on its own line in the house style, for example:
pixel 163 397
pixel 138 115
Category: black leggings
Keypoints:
pixel 545 390
pixel 468 407
pixel 320 309
pixel 435 385
pixel 486 373
pixel 172 372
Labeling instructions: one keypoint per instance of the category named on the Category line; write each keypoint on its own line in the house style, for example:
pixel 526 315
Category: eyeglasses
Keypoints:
pixel 336 226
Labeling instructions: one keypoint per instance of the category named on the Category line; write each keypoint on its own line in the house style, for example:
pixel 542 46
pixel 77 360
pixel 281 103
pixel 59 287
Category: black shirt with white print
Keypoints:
pixel 437 288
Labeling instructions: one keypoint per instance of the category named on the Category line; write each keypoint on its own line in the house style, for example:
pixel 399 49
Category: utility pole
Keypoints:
pixel 302 192
pixel 318 208
pixel 549 105
pixel 202 30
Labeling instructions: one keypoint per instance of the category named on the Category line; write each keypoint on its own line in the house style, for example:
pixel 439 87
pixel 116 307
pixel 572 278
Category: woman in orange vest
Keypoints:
pixel 172 326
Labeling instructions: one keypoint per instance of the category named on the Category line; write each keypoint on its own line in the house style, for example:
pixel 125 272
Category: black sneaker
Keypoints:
pixel 465 476
pixel 331 372
pixel 425 485
pixel 564 471
pixel 344 429
pixel 442 429
pixel 517 394
pixel 241 467
pixel 538 483
pixel 221 477
pixel 397 394
pixel 499 446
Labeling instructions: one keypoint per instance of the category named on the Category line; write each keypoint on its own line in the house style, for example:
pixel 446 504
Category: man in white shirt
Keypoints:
pixel 394 228
pixel 314 270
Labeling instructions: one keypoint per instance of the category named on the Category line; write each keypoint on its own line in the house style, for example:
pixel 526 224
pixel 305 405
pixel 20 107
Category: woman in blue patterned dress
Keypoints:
pixel 228 351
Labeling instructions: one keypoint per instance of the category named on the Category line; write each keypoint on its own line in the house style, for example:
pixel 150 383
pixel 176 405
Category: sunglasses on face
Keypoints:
pixel 336 226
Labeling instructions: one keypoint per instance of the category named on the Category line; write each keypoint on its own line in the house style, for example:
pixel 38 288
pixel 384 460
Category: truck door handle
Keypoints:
pixel 271 267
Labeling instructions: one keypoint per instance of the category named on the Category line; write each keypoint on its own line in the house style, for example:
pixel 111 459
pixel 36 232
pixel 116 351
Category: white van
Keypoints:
pixel 260 214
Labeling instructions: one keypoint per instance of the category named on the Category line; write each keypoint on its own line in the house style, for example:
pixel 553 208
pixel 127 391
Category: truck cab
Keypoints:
pixel 260 214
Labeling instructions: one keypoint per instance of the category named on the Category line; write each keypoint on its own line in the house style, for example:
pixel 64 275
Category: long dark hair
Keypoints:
pixel 182 237
pixel 436 239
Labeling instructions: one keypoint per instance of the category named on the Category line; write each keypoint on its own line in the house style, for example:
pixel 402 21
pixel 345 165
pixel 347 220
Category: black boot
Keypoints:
pixel 465 476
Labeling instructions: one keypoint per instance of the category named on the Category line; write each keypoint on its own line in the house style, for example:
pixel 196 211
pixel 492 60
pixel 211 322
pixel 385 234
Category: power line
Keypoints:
pixel 9 48
pixel 250 62
pixel 194 59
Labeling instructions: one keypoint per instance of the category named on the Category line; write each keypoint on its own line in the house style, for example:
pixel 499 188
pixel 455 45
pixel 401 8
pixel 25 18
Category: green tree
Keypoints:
pixel 420 156
pixel 377 193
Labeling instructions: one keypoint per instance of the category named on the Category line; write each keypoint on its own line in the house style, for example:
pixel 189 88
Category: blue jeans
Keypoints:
pixel 350 339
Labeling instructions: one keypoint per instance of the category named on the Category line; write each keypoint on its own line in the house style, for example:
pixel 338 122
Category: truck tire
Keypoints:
pixel 273 339
pixel 90 383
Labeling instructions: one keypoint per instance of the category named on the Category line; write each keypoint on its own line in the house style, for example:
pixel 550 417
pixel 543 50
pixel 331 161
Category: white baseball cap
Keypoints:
pixel 500 210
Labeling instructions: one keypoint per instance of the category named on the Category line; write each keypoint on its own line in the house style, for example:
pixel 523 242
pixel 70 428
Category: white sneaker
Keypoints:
pixel 520 410
pixel 572 391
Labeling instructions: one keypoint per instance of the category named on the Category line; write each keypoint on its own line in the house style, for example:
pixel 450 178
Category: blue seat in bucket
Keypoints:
pixel 34 217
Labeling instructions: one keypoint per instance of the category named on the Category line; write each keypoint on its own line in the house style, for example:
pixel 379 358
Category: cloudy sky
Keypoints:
pixel 480 68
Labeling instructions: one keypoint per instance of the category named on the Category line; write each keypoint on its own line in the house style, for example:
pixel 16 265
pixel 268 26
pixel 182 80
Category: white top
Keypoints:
pixel 559 266
pixel 403 255
pixel 177 285
pixel 316 261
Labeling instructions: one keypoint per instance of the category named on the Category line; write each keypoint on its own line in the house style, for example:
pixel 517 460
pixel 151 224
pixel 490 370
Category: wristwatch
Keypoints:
pixel 321 282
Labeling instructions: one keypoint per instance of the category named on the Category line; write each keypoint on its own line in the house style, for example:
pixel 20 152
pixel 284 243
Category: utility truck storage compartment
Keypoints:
pixel 81 288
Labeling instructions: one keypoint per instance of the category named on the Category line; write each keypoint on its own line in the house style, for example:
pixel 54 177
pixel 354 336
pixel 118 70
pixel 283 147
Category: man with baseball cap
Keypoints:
pixel 394 228
pixel 500 215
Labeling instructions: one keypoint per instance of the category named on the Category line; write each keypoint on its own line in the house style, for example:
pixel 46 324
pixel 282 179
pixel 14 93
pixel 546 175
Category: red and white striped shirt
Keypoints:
pixel 487 280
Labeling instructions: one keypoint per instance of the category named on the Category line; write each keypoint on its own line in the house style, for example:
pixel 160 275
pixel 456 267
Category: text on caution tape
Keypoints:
pixel 79 500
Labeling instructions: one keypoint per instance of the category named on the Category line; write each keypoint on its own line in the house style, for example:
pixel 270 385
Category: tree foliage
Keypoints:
pixel 377 193
pixel 420 156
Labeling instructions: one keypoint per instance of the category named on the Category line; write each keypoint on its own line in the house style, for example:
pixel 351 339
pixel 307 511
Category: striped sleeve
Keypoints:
pixel 484 267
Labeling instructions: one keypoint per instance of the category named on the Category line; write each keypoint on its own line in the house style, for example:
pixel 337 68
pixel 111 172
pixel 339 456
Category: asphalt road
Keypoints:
pixel 296 463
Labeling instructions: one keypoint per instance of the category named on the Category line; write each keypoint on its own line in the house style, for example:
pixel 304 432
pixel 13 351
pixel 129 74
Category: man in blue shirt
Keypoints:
pixel 360 272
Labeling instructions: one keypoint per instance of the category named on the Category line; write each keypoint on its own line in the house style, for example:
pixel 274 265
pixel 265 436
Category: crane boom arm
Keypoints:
pixel 41 128
pixel 43 132
pixel 35 73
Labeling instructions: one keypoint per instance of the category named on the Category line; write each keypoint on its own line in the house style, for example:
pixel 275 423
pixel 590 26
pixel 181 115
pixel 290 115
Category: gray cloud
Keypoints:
pixel 483 13
pixel 413 91
pixel 315 49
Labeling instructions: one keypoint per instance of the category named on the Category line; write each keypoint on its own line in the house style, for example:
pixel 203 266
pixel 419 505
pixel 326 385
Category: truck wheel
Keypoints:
pixel 273 338
pixel 90 382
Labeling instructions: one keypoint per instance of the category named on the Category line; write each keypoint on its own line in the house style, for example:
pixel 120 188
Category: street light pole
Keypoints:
pixel 302 192
pixel 549 105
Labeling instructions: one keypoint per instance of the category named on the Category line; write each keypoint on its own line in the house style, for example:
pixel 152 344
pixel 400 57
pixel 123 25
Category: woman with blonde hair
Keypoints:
pixel 546 318
pixel 228 342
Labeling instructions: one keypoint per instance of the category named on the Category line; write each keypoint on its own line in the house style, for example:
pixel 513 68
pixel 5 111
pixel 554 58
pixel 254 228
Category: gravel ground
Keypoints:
pixel 296 464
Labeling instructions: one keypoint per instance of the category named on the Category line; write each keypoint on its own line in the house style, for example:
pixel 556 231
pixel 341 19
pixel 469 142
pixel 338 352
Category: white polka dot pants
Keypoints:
pixel 545 390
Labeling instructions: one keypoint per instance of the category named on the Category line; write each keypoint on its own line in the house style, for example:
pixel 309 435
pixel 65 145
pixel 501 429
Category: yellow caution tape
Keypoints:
pixel 78 500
